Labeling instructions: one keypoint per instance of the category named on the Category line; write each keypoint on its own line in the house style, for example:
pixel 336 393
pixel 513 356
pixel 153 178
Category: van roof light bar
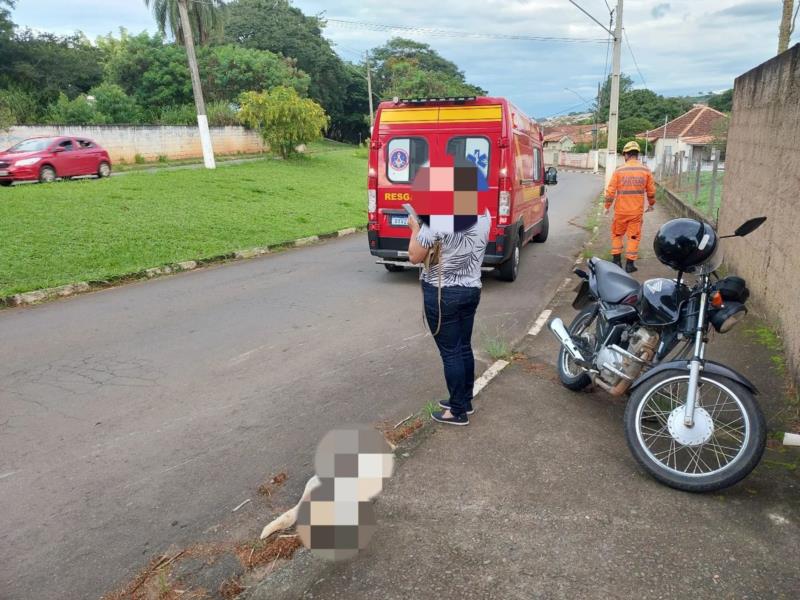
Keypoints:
pixel 451 99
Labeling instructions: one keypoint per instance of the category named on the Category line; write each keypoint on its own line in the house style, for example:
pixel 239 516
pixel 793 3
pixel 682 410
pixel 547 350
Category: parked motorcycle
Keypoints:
pixel 692 423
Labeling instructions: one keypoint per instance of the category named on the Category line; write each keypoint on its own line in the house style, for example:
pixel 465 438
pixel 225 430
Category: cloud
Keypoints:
pixel 660 10
pixel 751 10
pixel 682 46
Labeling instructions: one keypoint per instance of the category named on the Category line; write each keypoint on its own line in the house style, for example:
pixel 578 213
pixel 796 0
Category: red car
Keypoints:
pixel 46 159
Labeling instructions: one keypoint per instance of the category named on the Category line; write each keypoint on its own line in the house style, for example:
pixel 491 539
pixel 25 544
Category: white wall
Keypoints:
pixel 125 142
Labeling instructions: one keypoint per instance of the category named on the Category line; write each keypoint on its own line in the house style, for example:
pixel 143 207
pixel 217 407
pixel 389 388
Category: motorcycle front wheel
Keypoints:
pixel 720 449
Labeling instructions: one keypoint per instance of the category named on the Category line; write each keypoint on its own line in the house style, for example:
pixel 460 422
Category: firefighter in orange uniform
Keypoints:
pixel 626 191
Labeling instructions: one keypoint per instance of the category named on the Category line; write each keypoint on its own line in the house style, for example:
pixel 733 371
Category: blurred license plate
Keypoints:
pixel 399 220
pixel 3 173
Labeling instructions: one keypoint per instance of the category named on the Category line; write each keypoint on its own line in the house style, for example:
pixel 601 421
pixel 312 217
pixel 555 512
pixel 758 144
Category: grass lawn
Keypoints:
pixel 92 230
pixel 701 202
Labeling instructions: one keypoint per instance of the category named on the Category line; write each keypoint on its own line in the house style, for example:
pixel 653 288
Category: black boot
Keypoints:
pixel 617 259
pixel 630 266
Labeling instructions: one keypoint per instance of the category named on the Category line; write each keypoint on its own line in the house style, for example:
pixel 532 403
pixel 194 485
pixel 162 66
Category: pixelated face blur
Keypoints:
pixel 447 187
pixel 338 519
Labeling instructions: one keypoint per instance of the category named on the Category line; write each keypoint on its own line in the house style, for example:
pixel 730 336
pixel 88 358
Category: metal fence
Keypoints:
pixel 696 182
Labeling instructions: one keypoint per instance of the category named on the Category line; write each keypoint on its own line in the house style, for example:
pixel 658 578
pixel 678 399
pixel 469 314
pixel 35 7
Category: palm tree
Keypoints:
pixel 189 20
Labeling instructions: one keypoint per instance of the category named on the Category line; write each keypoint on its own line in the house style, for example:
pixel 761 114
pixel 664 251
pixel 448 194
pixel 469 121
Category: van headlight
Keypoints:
pixel 27 162
pixel 728 316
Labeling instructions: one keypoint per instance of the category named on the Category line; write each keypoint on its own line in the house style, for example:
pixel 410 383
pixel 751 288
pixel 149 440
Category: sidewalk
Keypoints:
pixel 540 498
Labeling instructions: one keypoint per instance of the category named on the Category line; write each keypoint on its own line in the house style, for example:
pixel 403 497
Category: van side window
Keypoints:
pixel 404 157
pixel 537 165
pixel 471 152
pixel 524 158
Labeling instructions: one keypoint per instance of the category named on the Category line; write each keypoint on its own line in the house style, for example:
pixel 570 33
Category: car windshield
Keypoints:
pixel 35 145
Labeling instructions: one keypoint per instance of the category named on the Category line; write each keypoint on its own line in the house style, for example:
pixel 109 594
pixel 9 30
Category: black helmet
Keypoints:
pixel 685 244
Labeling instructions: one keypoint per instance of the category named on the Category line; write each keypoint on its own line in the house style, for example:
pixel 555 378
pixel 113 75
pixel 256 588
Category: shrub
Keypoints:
pixel 284 119
pixel 221 114
pixel 139 159
pixel 162 158
pixel 114 105
pixel 73 112
pixel 183 114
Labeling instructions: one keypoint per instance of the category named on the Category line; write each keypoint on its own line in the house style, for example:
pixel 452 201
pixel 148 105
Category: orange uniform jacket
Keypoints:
pixel 628 186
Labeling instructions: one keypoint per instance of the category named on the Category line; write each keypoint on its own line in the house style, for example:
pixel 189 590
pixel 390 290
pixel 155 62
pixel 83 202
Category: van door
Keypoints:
pixel 401 159
pixel 525 189
pixel 538 180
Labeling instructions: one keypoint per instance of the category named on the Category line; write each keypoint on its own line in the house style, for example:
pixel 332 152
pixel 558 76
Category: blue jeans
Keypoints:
pixel 454 338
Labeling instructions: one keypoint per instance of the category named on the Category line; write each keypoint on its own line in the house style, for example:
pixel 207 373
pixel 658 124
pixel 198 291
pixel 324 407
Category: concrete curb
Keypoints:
pixel 82 287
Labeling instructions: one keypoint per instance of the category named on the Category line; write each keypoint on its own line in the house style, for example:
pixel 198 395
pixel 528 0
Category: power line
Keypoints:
pixel 633 56
pixel 588 14
pixel 455 33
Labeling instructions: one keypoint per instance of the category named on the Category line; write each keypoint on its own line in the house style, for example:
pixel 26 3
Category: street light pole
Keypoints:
pixel 202 118
pixel 613 114
pixel 369 93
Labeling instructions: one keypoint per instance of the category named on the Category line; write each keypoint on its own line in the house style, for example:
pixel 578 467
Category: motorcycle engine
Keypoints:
pixel 617 369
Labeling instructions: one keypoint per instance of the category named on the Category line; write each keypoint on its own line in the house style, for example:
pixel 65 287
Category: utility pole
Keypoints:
pixel 202 118
pixel 369 92
pixel 613 114
pixel 596 141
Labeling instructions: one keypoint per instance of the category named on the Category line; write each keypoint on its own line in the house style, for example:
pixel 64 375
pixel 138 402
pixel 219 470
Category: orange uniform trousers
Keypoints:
pixel 629 226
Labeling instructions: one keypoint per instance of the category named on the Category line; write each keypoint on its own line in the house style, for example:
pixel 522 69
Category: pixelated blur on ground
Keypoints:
pixel 540 498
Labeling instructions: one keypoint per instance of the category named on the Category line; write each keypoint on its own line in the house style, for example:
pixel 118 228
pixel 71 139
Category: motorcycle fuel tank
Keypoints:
pixel 661 301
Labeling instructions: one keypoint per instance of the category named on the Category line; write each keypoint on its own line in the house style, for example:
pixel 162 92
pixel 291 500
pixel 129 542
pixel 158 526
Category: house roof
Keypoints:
pixel 697 123
pixel 555 137
pixel 579 134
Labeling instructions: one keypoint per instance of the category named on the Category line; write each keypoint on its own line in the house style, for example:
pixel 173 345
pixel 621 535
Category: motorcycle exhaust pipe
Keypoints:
pixel 561 333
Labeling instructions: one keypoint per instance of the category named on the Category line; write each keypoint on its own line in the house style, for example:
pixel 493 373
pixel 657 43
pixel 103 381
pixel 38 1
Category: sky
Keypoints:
pixel 681 47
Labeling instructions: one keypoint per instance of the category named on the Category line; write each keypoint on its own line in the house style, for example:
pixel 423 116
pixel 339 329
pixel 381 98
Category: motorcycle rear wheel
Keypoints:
pixel 722 448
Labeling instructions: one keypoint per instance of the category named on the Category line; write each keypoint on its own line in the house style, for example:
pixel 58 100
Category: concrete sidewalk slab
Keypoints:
pixel 540 498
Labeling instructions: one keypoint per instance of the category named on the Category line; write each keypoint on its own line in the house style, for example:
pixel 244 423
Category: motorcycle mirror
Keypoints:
pixel 748 227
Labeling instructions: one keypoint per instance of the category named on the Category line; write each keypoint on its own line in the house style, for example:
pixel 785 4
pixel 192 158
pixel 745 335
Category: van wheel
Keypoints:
pixel 6 183
pixel 394 268
pixel 47 175
pixel 509 270
pixel 541 238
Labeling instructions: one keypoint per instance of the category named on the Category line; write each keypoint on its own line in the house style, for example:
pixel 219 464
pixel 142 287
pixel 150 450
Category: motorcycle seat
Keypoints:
pixel 613 283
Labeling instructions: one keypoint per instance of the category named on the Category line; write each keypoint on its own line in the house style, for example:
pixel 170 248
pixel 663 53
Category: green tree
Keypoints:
pixel 46 65
pixel 719 131
pixel 284 119
pixel 6 25
pixel 114 105
pixel 155 73
pixel 641 103
pixel 205 18
pixel 722 102
pixel 406 68
pixel 629 127
pixel 279 27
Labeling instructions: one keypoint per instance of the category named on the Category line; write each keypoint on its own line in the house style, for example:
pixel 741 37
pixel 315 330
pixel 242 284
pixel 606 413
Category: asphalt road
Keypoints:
pixel 138 417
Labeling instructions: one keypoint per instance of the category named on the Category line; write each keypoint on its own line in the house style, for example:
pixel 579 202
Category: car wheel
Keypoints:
pixel 509 270
pixel 541 238
pixel 104 170
pixel 47 175
pixel 6 183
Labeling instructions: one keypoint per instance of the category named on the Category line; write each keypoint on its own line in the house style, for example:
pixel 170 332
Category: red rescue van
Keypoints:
pixel 417 146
